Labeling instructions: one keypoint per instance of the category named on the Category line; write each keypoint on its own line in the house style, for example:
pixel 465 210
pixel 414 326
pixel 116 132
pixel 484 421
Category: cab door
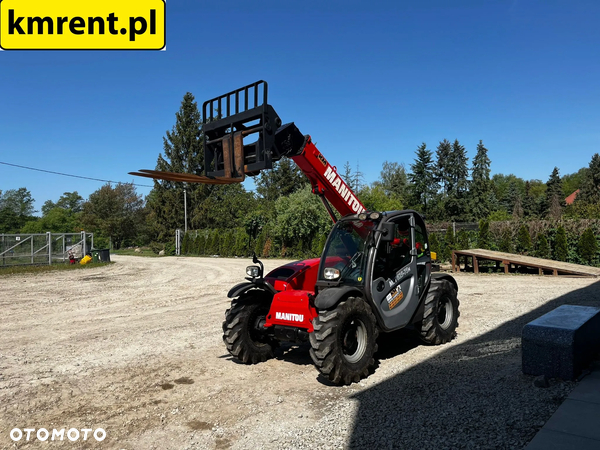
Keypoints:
pixel 394 270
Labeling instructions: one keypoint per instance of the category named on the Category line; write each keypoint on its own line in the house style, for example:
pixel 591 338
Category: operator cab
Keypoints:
pixel 384 255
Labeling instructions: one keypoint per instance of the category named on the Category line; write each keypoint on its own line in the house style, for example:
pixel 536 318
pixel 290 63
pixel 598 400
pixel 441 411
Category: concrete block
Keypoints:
pixel 562 342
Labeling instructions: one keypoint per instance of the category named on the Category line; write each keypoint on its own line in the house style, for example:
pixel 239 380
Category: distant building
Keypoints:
pixel 571 198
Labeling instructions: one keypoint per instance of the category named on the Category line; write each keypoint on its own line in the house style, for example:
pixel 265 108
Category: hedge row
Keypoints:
pixel 574 241
pixel 237 242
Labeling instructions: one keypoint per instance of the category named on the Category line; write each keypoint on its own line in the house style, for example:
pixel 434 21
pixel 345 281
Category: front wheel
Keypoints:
pixel 243 331
pixel 344 341
pixel 440 316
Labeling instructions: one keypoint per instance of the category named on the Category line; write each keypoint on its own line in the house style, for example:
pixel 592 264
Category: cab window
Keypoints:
pixel 393 256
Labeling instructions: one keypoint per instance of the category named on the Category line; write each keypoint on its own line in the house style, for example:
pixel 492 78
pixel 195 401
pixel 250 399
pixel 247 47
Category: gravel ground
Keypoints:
pixel 135 348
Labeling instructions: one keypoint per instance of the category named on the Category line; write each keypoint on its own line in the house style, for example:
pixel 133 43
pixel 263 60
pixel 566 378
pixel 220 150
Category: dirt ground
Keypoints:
pixel 135 348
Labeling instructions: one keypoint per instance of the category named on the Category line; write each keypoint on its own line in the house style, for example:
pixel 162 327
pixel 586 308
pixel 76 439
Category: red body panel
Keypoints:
pixel 293 308
pixel 325 180
pixel 302 275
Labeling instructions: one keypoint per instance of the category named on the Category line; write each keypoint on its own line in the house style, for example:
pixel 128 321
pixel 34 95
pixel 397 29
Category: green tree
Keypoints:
pixel 529 203
pixel 19 201
pixel 300 217
pixel 462 240
pixel 590 186
pixel 422 178
pixel 116 213
pixel 10 222
pixel 449 243
pixel 283 179
pixel 588 246
pixel 542 249
pixel 505 244
pixel 481 192
pixel 457 169
pixel 573 181
pixel 554 195
pixel 375 199
pixel 561 252
pixel 70 201
pixel 394 181
pixel 225 207
pixel 523 240
pixel 57 220
pixel 483 238
pixel 443 172
pixel 182 153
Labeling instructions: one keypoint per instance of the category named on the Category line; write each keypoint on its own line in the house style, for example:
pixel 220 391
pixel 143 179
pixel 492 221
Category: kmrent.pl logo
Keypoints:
pixel 42 434
pixel 78 25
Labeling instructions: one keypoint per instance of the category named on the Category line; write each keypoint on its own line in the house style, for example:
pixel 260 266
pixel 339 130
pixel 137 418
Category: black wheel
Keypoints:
pixel 344 341
pixel 440 317
pixel 242 332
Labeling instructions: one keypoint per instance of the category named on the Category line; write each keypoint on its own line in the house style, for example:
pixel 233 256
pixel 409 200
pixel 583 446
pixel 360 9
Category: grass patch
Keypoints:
pixel 17 270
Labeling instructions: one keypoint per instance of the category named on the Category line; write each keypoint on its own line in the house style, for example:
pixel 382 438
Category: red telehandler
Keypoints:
pixel 375 273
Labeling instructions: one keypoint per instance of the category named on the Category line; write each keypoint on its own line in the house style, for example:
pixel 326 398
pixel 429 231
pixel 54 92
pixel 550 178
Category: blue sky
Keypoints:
pixel 369 81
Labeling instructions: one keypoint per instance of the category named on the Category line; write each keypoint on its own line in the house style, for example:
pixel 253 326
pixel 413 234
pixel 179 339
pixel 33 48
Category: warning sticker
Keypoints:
pixel 394 297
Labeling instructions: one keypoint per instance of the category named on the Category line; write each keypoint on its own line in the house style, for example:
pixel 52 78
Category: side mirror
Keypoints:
pixel 387 230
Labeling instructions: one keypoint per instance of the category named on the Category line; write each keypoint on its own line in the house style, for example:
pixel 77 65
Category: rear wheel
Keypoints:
pixel 243 331
pixel 440 317
pixel 344 341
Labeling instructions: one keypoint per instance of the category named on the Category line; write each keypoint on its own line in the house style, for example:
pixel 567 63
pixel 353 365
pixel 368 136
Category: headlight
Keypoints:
pixel 362 216
pixel 374 216
pixel 331 274
pixel 253 271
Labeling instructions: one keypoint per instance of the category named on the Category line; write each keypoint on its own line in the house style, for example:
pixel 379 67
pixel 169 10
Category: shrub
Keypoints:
pixel 483 239
pixel 560 245
pixel 588 246
pixel 462 240
pixel 523 240
pixel 169 249
pixel 505 244
pixel 449 244
pixel 542 249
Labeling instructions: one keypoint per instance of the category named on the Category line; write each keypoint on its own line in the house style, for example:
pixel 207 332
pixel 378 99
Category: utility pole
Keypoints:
pixel 185 210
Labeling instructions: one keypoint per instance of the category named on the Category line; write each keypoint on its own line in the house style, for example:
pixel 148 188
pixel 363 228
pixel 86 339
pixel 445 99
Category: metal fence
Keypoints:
pixel 45 248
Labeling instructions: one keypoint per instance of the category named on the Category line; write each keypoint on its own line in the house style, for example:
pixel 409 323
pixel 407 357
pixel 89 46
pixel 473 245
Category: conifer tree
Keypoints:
pixel 554 195
pixel 449 243
pixel 523 240
pixel 590 189
pixel 483 238
pixel 422 178
pixel 182 153
pixel 560 245
pixel 588 246
pixel 505 244
pixel 480 193
pixel 442 167
pixel 542 248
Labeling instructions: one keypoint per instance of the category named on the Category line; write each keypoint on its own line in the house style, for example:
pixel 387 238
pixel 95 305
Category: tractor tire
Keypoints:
pixel 440 316
pixel 344 341
pixel 240 334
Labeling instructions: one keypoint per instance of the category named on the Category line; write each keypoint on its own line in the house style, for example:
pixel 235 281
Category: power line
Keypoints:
pixel 69 175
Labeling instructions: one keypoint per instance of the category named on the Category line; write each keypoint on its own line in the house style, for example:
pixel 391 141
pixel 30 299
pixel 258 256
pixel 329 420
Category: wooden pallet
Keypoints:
pixel 510 259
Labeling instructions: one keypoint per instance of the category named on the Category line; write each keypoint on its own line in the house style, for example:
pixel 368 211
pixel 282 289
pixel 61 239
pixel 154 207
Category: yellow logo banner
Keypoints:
pixel 82 25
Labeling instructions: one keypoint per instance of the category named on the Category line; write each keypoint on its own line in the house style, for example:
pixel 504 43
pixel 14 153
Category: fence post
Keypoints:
pixel 454 230
pixel 178 242
pixel 49 242
pixel 83 245
pixel 32 258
